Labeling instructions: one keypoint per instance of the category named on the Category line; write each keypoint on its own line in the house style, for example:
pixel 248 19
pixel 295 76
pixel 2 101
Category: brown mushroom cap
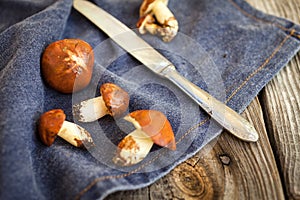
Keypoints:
pixel 115 98
pixel 49 125
pixel 67 65
pixel 157 126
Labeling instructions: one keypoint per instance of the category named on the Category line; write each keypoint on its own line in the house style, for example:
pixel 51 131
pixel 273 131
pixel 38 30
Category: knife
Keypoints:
pixel 157 63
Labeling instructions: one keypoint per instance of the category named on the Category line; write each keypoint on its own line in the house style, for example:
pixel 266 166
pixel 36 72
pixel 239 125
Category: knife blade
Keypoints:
pixel 156 62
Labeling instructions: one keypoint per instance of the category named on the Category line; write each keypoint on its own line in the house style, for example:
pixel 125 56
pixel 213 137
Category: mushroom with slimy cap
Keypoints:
pixel 157 19
pixel 152 126
pixel 113 101
pixel 52 124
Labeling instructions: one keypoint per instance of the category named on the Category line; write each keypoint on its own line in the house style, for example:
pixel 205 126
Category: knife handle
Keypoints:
pixel 221 113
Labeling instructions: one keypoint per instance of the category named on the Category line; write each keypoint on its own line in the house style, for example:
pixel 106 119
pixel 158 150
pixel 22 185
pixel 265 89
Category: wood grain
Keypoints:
pixel 281 100
pixel 283 121
pixel 231 169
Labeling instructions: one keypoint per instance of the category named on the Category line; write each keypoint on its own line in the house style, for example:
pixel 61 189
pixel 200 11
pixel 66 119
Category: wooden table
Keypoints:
pixel 232 169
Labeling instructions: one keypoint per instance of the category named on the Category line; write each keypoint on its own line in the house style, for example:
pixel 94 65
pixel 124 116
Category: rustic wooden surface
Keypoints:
pixel 232 169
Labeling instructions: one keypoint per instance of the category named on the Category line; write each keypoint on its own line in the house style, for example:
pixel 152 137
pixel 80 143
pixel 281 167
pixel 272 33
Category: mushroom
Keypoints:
pixel 152 126
pixel 52 123
pixel 157 19
pixel 113 101
pixel 67 65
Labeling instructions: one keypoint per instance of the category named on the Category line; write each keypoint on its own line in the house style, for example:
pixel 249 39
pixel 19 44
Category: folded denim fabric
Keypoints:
pixel 225 47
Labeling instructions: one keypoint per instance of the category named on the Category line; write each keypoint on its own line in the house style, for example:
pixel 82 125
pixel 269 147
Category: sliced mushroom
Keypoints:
pixel 152 126
pixel 157 19
pixel 52 124
pixel 113 101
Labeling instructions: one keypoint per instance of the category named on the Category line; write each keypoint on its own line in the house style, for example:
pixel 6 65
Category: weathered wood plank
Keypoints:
pixel 282 107
pixel 281 100
pixel 239 170
pixel 231 169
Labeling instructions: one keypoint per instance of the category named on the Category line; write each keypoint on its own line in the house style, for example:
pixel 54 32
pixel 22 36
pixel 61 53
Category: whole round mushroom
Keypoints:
pixel 113 101
pixel 67 65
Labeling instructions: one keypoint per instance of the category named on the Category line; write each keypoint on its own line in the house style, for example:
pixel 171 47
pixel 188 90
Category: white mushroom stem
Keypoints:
pixel 133 148
pixel 90 110
pixel 75 134
pixel 166 25
pixel 162 12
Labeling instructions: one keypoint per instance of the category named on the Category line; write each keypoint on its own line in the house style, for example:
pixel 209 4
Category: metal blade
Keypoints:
pixel 147 55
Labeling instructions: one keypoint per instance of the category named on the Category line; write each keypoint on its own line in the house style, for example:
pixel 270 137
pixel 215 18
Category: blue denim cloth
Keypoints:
pixel 224 46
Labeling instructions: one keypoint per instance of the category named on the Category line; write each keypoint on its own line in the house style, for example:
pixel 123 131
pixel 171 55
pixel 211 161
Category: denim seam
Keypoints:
pixel 292 32
pixel 259 68
pixel 276 50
